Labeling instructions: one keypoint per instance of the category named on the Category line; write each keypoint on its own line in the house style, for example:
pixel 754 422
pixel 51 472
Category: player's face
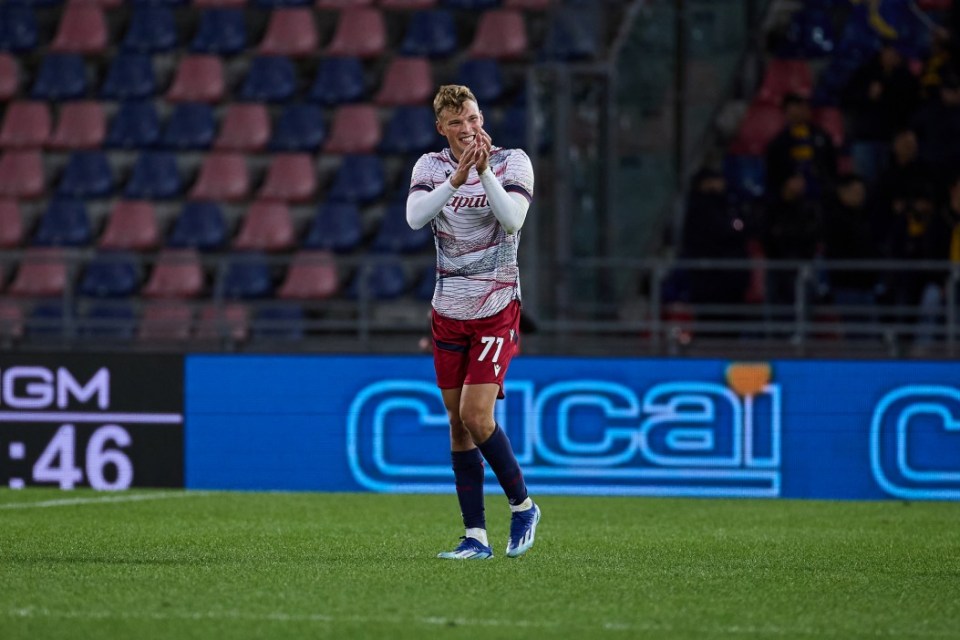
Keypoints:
pixel 460 127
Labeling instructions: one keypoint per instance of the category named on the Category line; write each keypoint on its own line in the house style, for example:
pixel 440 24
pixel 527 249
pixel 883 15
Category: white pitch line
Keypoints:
pixel 139 497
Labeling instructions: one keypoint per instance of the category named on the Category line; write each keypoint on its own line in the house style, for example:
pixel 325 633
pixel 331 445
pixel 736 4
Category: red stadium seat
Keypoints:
pixel 132 226
pixel 246 127
pixel 21 174
pixel 165 321
pixel 177 273
pixel 26 125
pixel 355 129
pixel 82 29
pixel 782 77
pixel 11 321
pixel 11 224
pixel 9 76
pixel 759 126
pixel 406 81
pixel 228 321
pixel 199 78
pixel 223 176
pixel 500 34
pixel 267 226
pixel 361 32
pixel 312 276
pixel 42 274
pixel 831 119
pixel 82 125
pixel 291 177
pixel 407 4
pixel 290 32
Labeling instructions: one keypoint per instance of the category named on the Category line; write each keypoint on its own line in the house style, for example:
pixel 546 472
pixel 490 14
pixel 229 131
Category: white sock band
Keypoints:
pixel 523 506
pixel 479 535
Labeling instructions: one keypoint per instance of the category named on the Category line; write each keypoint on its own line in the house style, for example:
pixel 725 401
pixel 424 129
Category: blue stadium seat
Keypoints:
pixel 511 131
pixel 485 77
pixel 273 4
pixel 154 177
pixel 338 81
pixel 381 281
pixel 396 236
pixel 45 320
pixel 18 29
pixel 299 127
pixel 200 225
pixel 110 276
pixel 221 31
pixel 410 130
pixel 431 34
pixel 87 175
pixel 360 179
pixel 113 320
pixel 129 77
pixel 573 34
pixel 136 125
pixel 159 3
pixel 745 176
pixel 64 224
pixel 62 76
pixel 270 79
pixel 151 30
pixel 279 322
pixel 426 284
pixel 335 227
pixel 477 5
pixel 191 126
pixel 247 277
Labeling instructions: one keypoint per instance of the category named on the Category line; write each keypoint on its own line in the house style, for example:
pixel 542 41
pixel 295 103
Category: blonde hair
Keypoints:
pixel 451 96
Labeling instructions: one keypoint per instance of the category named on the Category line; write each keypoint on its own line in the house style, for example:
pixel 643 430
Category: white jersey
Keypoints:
pixel 477 273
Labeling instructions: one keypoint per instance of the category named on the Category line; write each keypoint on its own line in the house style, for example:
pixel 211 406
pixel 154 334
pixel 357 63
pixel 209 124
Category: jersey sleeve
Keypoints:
pixel 425 172
pixel 518 177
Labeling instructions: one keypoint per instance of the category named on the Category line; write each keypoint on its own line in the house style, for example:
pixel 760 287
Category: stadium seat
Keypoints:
pixel 114 320
pixel 42 273
pixel 223 322
pixel 199 78
pixel 432 34
pixel 831 120
pixel 338 81
pixel 355 129
pixel 165 322
pixel 223 176
pixel 247 277
pixel 335 227
pixel 396 236
pixel 26 125
pixel 500 34
pixel 484 77
pixel 746 176
pixel 290 32
pixel 191 126
pixel 406 81
pixel 219 4
pixel 472 5
pixel 426 284
pixel 759 126
pixel 9 77
pixel 177 273
pixel 360 32
pixel 291 177
pixel 360 179
pixel 266 226
pixel 299 127
pixel 573 34
pixel 131 225
pixel 46 320
pixel 136 125
pixel 279 322
pixel 269 79
pixel 527 5
pixel 130 77
pixel 18 29
pixel 276 4
pixel 245 127
pixel 21 174
pixel 408 5
pixel 154 177
pixel 65 223
pixel 152 29
pixel 200 225
pixel 783 77
pixel 62 76
pixel 11 322
pixel 378 281
pixel 312 275
pixel 11 225
pixel 410 130
pixel 82 29
pixel 81 125
pixel 222 31
pixel 87 175
pixel 110 276
pixel 342 4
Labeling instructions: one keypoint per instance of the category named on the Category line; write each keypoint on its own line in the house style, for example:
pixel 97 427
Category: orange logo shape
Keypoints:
pixel 748 378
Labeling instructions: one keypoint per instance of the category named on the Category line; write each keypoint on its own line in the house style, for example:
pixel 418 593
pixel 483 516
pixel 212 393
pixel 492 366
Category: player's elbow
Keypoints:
pixel 413 220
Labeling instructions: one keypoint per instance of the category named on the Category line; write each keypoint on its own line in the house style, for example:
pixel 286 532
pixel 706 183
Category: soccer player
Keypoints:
pixel 475 197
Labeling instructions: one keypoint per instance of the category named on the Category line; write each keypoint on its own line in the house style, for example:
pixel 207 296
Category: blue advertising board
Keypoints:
pixel 609 426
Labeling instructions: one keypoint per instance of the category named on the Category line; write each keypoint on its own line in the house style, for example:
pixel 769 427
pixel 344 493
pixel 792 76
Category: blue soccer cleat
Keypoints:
pixel 523 531
pixel 468 549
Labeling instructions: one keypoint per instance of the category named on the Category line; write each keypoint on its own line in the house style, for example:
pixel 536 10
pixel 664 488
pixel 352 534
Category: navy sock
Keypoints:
pixel 468 472
pixel 499 454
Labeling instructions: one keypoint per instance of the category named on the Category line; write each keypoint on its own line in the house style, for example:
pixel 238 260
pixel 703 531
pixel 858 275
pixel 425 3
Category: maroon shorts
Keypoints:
pixel 475 351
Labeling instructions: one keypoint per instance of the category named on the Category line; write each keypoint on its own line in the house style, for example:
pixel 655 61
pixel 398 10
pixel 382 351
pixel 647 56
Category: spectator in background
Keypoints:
pixel 849 235
pixel 880 98
pixel 937 124
pixel 905 176
pixel 942 243
pixel 792 231
pixel 801 148
pixel 916 235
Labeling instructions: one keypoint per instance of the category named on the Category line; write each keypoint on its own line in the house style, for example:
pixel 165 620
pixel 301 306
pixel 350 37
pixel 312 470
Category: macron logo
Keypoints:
pixel 496 369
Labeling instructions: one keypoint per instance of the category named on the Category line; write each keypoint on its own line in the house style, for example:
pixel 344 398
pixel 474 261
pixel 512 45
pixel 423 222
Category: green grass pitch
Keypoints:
pixel 169 564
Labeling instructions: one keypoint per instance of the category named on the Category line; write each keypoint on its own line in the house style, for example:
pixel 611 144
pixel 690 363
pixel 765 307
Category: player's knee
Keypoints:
pixel 477 421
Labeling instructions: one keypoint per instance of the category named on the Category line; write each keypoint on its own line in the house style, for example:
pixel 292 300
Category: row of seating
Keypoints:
pixel 473 5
